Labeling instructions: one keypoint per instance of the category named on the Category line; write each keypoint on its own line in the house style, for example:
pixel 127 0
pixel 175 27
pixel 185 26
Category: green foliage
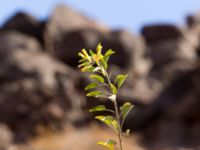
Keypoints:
pixel 125 109
pixel 96 63
pixel 108 144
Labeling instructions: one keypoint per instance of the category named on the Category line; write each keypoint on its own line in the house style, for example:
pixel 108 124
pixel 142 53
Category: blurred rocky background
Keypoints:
pixel 42 101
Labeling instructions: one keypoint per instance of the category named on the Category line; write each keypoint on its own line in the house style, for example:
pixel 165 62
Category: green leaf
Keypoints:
pixel 97 78
pixel 87 69
pixel 99 49
pixel 94 94
pixel 85 64
pixel 91 86
pixel 110 121
pixel 125 109
pixel 81 55
pixel 108 144
pixel 91 52
pixel 120 80
pixel 82 60
pixel 98 108
pixel 104 63
pixel 113 88
pixel 108 54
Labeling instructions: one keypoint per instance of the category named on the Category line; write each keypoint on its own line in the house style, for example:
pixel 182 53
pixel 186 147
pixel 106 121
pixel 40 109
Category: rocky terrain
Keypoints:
pixel 42 102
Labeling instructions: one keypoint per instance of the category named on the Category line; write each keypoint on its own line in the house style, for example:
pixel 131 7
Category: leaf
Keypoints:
pixel 98 108
pixel 94 94
pixel 99 49
pixel 108 54
pixel 91 86
pixel 81 55
pixel 108 144
pixel 91 52
pixel 113 88
pixel 87 69
pixel 120 80
pixel 110 121
pixel 82 60
pixel 97 78
pixel 85 64
pixel 104 63
pixel 84 52
pixel 125 109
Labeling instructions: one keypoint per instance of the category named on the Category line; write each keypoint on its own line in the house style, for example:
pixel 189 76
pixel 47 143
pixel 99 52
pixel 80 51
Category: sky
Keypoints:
pixel 129 14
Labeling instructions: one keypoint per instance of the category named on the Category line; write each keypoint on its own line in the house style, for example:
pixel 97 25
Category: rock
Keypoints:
pixel 35 88
pixel 64 20
pixel 160 32
pixel 24 23
pixel 172 56
pixel 174 115
pixel 126 46
pixel 6 137
pixel 66 49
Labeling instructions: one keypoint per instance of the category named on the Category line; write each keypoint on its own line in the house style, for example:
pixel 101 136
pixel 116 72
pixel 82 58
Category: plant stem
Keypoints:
pixel 118 120
pixel 116 112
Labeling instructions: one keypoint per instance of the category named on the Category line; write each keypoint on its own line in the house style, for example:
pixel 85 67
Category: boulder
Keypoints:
pixel 64 20
pixel 172 119
pixel 67 48
pixel 160 32
pixel 25 23
pixel 35 88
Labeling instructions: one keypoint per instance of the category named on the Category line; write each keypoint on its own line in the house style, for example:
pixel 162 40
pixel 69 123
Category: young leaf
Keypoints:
pixel 97 78
pixel 108 54
pixel 108 144
pixel 104 63
pixel 99 49
pixel 91 52
pixel 110 121
pixel 81 55
pixel 91 86
pixel 125 109
pixel 87 69
pixel 85 64
pixel 113 88
pixel 98 108
pixel 94 94
pixel 120 80
pixel 82 60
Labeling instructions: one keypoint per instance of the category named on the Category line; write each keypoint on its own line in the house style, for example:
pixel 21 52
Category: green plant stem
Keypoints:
pixel 116 114
pixel 118 120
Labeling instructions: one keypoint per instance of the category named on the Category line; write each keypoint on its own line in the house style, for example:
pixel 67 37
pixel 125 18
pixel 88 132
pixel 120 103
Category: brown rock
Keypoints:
pixel 172 120
pixel 160 32
pixel 25 23
pixel 35 88
pixel 64 20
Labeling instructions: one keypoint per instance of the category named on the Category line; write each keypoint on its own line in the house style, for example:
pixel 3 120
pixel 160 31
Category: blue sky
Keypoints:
pixel 131 14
